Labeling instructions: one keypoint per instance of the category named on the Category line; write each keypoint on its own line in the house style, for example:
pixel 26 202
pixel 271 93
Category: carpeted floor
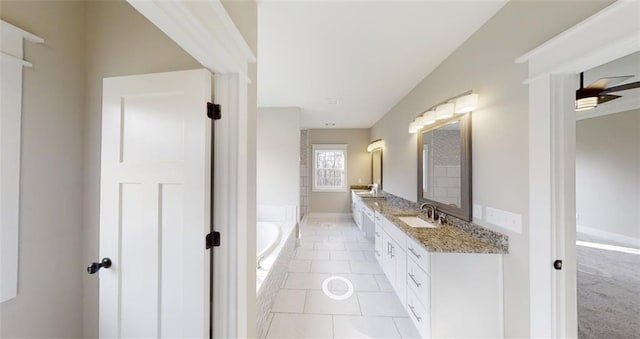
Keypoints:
pixel 608 293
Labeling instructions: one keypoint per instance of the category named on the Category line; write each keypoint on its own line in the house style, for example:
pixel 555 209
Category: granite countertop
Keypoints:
pixel 365 193
pixel 449 238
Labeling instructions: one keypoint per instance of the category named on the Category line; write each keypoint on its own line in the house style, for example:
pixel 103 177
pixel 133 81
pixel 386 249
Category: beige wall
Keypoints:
pixel 278 167
pixel 358 167
pixel 485 64
pixel 49 301
pixel 608 174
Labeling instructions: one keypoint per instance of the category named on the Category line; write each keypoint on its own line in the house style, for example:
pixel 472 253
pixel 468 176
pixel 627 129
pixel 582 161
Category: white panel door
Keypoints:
pixel 154 205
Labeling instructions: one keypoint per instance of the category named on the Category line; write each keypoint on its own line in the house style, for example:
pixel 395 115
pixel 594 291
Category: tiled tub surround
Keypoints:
pixel 272 280
pixel 305 172
pixel 273 266
pixel 456 236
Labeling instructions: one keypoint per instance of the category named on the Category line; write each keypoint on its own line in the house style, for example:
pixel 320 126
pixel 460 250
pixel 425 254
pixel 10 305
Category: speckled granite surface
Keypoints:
pixel 456 236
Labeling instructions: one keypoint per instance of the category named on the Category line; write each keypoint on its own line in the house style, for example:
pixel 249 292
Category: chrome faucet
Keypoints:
pixel 431 215
pixel 442 218
pixel 374 188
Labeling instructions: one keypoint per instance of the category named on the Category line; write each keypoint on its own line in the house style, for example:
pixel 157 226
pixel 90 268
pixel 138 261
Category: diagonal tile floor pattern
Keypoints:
pixel 335 247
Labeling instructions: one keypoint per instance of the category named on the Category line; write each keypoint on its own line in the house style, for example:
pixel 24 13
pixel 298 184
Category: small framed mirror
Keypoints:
pixel 444 166
pixel 376 167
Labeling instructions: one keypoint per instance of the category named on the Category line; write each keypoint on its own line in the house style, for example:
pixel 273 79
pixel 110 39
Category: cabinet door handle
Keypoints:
pixel 413 278
pixel 377 234
pixel 414 313
pixel 391 253
pixel 377 253
pixel 414 253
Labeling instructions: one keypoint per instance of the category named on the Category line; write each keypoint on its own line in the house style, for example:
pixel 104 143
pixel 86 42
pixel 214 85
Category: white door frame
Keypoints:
pixel 12 62
pixel 610 34
pixel 206 31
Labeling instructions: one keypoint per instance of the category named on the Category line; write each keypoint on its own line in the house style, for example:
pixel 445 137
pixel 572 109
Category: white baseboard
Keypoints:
pixel 329 215
pixel 619 238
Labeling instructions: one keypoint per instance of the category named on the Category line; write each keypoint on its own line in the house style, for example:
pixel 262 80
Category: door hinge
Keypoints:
pixel 557 264
pixel 212 240
pixel 214 111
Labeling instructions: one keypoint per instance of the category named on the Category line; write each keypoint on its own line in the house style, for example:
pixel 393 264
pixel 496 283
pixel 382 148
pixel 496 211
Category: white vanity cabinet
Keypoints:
pixel 356 209
pixel 379 241
pixel 454 295
pixel 368 224
pixel 362 216
pixel 391 254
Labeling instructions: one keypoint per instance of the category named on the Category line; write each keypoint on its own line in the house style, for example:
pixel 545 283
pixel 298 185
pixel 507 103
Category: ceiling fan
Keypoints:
pixel 597 93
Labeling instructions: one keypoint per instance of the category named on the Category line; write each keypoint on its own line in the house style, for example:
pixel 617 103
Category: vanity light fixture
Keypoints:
pixel 374 145
pixel 444 111
pixel 439 114
pixel 413 128
pixel 466 103
pixel 429 117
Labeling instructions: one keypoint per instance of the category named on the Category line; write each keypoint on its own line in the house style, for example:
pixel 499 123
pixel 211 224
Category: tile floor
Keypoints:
pixel 335 247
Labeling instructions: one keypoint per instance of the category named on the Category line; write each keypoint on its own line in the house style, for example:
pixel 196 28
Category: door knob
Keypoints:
pixel 96 266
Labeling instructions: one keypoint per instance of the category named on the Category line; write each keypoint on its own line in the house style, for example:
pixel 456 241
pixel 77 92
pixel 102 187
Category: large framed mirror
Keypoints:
pixel 376 167
pixel 444 166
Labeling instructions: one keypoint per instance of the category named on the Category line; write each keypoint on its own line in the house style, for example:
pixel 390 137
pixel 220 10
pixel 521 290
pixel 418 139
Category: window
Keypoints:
pixel 329 168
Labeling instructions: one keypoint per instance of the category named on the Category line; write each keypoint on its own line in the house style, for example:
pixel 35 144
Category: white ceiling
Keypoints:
pixel 350 62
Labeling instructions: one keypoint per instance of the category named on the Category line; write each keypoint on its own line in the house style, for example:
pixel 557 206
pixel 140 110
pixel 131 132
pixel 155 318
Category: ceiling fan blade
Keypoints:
pixel 603 83
pixel 624 87
pixel 606 98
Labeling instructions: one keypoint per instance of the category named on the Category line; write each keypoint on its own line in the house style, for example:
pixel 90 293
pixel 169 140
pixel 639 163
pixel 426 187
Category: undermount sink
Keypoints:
pixel 416 222
pixel 367 194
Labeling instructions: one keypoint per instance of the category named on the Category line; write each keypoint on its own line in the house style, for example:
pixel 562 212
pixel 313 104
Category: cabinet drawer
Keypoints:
pixel 419 314
pixel 419 254
pixel 378 241
pixel 379 219
pixel 419 282
pixel 367 211
pixel 395 233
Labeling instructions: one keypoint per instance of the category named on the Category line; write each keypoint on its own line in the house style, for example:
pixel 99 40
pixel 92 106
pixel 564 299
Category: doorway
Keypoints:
pixel 552 81
pixel 607 201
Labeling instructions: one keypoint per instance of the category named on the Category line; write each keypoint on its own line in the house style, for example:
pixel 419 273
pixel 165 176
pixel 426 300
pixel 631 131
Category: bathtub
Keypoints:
pixel 276 240
pixel 268 237
pixel 274 231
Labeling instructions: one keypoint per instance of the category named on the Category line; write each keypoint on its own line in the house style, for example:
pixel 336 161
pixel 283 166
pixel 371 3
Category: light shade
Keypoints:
pixel 413 128
pixel 444 111
pixel 374 145
pixel 429 117
pixel 586 103
pixel 466 103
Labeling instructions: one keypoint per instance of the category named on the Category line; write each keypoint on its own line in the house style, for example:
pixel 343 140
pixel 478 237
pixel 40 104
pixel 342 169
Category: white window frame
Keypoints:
pixel 329 147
